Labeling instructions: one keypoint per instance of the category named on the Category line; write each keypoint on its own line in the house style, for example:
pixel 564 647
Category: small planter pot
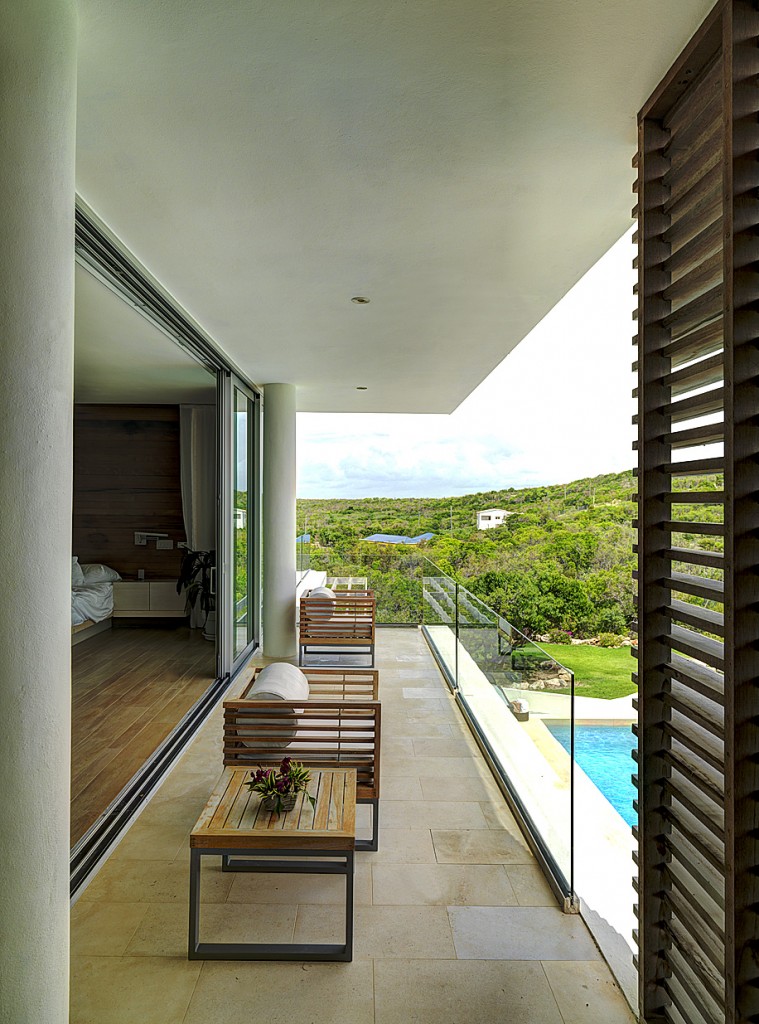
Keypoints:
pixel 283 803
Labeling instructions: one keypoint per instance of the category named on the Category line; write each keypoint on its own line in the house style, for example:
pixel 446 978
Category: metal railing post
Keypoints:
pixel 456 645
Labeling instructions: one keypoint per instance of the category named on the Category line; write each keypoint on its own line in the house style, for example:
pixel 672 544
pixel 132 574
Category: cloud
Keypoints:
pixel 557 408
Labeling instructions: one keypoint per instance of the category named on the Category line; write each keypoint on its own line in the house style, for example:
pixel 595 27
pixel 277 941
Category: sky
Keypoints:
pixel 556 409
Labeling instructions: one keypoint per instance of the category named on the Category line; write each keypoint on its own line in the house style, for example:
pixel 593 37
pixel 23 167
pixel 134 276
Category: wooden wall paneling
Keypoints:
pixel 127 479
pixel 741 141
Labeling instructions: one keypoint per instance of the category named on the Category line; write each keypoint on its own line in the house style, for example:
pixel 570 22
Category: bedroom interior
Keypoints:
pixel 145 485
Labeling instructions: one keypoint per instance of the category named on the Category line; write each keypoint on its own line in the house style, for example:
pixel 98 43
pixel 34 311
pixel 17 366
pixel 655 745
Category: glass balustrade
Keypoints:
pixel 508 686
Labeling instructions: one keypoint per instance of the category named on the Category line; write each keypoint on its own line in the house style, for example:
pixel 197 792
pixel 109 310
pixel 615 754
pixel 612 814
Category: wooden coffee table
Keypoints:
pixel 305 840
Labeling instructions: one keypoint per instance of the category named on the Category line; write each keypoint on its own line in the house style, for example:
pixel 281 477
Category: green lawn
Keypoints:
pixel 599 671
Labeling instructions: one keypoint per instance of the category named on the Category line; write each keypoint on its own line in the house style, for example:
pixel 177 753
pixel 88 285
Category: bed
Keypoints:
pixel 91 595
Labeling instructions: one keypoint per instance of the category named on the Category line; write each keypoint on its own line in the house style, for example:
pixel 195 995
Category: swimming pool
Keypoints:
pixel 604 754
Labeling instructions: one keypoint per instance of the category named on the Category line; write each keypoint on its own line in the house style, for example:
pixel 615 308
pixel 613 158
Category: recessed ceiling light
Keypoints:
pixel 360 300
pixel 361 388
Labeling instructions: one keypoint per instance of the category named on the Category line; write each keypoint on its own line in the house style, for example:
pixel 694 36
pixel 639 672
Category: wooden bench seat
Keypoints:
pixel 319 733
pixel 346 623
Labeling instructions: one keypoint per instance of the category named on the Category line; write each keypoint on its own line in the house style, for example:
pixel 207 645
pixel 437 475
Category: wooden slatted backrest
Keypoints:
pixel 335 683
pixel 698 529
pixel 320 733
pixel 351 617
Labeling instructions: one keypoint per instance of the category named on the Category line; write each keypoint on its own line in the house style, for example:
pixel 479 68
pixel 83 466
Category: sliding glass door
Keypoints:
pixel 242 505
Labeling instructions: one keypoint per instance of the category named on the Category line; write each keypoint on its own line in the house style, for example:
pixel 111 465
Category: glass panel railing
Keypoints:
pixel 521 701
pixel 512 690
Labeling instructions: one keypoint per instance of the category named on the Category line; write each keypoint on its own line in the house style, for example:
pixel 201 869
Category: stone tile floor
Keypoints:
pixel 454 923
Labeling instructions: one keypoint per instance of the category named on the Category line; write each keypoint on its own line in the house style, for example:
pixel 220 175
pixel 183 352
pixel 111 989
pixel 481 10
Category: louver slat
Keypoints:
pixel 698 657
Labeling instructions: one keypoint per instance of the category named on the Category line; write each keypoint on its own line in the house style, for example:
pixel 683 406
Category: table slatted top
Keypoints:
pixel 233 818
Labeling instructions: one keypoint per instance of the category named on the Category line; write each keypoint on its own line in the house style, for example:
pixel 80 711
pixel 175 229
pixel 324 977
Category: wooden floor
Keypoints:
pixel 130 687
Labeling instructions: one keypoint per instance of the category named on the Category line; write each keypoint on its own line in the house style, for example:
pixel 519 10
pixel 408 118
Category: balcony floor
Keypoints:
pixel 453 920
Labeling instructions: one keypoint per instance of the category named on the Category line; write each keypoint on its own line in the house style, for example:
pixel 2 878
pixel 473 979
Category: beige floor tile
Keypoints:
pixel 398 787
pixel 148 840
pixel 425 691
pixel 292 889
pixel 401 726
pixel 382 932
pixel 430 767
pixel 180 813
pixel 498 815
pixel 519 933
pixel 472 788
pixel 104 929
pixel 451 747
pixel 427 708
pixel 136 881
pixel 479 846
pixel 420 686
pixel 435 814
pixel 587 993
pixel 529 883
pixel 442 711
pixel 396 746
pixel 458 992
pixel 128 989
pixel 163 929
pixel 272 993
pixel 402 846
pixel 441 885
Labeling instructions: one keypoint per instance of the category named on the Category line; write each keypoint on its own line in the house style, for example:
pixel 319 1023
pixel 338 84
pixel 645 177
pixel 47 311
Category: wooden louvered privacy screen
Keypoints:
pixel 698 529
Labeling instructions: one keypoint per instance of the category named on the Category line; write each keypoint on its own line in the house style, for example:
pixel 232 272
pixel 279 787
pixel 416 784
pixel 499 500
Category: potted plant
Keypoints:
pixel 279 789
pixel 196 577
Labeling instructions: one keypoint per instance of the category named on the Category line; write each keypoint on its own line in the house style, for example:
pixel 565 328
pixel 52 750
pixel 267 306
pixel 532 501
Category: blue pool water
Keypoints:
pixel 603 753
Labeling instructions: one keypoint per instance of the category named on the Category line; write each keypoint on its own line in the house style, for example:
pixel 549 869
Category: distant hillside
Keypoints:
pixel 360 517
pixel 563 561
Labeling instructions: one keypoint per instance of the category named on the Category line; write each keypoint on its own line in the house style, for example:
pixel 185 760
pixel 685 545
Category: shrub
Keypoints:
pixel 610 640
pixel 559 636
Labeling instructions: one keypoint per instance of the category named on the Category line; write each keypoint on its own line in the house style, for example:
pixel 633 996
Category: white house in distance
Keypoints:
pixel 491 517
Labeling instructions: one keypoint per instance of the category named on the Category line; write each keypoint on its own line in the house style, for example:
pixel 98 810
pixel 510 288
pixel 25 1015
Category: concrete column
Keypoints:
pixel 37 136
pixel 279 522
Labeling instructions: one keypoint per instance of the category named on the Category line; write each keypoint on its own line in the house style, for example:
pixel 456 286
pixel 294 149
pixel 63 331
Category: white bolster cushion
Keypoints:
pixel 323 611
pixel 279 681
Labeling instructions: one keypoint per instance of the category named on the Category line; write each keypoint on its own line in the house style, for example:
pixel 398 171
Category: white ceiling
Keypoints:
pixel 120 357
pixel 460 162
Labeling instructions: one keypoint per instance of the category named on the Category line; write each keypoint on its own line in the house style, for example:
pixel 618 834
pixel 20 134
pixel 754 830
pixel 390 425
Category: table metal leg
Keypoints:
pixel 194 903
pixel 340 862
pixel 349 869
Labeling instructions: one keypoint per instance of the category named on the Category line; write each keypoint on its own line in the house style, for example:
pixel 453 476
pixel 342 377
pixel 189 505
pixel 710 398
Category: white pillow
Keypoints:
pixel 323 592
pixel 279 681
pixel 77 576
pixel 94 572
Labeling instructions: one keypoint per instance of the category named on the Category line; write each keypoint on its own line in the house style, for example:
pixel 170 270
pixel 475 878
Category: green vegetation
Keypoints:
pixel 562 560
pixel 599 672
pixel 560 566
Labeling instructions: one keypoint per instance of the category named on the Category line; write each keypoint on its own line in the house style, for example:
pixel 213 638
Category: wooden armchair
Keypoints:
pixel 346 623
pixel 319 733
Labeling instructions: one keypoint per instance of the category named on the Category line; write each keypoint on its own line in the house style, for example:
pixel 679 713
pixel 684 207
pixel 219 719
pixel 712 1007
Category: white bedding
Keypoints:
pixel 93 601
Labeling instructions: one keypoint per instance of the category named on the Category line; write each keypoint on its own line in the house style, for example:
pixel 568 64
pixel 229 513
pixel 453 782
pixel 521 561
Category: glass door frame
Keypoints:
pixel 229 661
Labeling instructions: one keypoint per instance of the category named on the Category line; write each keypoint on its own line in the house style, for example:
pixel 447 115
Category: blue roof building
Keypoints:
pixel 391 538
